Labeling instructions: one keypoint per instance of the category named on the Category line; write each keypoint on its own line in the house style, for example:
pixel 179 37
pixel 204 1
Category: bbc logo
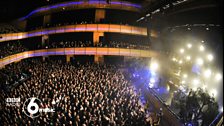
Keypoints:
pixel 10 100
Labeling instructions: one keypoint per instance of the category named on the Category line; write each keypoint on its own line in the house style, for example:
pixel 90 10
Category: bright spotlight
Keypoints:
pixel 221 109
pixel 185 75
pixel 195 82
pixel 189 46
pixel 200 61
pixel 188 58
pixel 152 80
pixel 202 48
pixel 174 59
pixel 213 92
pixel 154 66
pixel 207 73
pixel 151 85
pixel 183 82
pixel 210 57
pixel 218 76
pixel 182 51
pixel 180 62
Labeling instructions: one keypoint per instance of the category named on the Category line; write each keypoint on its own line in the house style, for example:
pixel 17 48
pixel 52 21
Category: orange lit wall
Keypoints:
pixel 124 29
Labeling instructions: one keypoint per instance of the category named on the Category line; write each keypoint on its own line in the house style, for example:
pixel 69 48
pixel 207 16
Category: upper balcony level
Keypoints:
pixel 122 29
pixel 84 4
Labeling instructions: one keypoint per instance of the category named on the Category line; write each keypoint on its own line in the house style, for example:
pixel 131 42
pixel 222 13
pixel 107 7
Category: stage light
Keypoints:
pixel 221 109
pixel 185 75
pixel 195 82
pixel 182 51
pixel 183 82
pixel 210 57
pixel 152 80
pixel 180 62
pixel 174 59
pixel 201 48
pixel 218 77
pixel 151 85
pixel 154 66
pixel 200 61
pixel 189 45
pixel 207 73
pixel 188 58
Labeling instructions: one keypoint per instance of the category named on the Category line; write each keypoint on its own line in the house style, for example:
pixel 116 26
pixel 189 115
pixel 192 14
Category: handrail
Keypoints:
pixel 172 119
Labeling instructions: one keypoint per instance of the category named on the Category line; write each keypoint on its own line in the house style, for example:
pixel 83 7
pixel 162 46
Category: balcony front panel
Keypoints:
pixel 77 51
pixel 76 28
pixel 90 4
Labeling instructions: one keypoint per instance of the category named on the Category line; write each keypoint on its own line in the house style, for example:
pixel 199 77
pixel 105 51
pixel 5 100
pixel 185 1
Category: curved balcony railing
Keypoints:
pixel 77 51
pixel 124 29
pixel 72 5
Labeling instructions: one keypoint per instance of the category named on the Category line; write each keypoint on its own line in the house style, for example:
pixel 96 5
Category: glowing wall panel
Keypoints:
pixel 76 28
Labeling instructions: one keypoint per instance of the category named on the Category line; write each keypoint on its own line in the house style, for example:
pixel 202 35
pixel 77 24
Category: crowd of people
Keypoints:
pixel 74 23
pixel 68 44
pixel 11 48
pixel 123 44
pixel 7 28
pixel 82 95
pixel 112 44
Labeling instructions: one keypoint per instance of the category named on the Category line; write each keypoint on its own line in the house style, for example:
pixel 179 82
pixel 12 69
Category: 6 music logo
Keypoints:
pixel 31 107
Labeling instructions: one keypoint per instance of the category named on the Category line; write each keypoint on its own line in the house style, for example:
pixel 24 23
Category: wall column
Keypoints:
pixel 98 58
pixel 99 15
pixel 47 20
pixel 45 40
pixel 96 37
pixel 68 58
